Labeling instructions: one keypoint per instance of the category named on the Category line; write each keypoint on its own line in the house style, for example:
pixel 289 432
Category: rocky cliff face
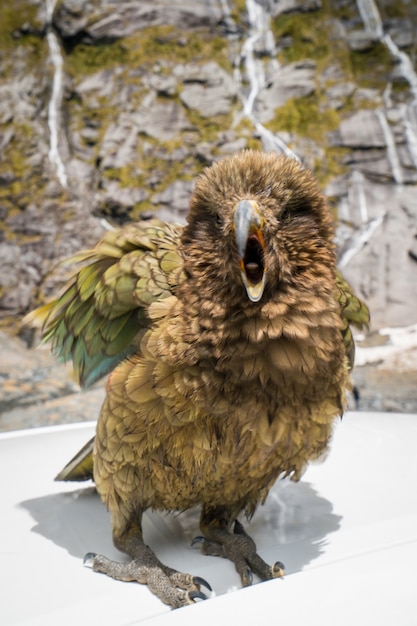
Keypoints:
pixel 108 110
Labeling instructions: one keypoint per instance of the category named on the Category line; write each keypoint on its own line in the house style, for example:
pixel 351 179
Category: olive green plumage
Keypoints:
pixel 99 318
pixel 353 311
pixel 230 348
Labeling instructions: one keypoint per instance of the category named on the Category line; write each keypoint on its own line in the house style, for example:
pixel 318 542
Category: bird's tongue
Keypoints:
pixel 253 261
pixel 253 269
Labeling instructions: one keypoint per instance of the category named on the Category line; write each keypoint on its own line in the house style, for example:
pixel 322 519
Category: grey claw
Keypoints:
pixel 196 540
pixel 278 569
pixel 238 528
pixel 194 595
pixel 247 577
pixel 89 559
pixel 197 580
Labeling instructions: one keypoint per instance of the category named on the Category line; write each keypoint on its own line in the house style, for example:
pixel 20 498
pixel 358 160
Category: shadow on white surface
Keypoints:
pixel 292 526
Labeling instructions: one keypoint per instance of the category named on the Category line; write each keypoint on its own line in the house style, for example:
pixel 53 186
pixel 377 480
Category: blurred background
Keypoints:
pixel 109 109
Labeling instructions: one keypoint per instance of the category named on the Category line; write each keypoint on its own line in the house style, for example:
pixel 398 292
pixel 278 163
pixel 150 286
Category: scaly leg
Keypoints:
pixel 236 546
pixel 172 587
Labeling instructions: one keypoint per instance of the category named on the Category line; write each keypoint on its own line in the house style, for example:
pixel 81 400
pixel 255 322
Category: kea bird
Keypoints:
pixel 229 349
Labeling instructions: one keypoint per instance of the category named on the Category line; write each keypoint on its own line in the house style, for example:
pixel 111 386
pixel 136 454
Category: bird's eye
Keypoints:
pixel 290 213
pixel 219 220
pixel 286 215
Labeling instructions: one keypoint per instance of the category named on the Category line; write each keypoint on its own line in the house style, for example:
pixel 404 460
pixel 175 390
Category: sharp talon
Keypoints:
pixel 201 582
pixel 278 569
pixel 197 595
pixel 196 540
pixel 238 529
pixel 89 559
pixel 247 578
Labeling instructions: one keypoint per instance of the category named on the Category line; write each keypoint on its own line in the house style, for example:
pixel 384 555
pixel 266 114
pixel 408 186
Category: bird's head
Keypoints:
pixel 257 224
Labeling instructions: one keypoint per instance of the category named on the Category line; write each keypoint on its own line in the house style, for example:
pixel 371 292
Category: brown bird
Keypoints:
pixel 230 347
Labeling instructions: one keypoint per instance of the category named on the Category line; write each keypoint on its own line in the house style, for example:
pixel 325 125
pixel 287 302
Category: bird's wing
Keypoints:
pixel 96 322
pixel 354 312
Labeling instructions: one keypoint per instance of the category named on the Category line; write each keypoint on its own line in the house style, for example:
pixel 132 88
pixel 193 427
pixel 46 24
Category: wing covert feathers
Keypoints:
pixel 99 318
pixel 353 311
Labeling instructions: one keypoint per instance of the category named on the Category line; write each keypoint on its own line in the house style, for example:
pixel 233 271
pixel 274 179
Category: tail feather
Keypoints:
pixel 81 466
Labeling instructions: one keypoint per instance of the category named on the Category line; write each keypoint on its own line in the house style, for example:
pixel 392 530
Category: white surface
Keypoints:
pixel 347 534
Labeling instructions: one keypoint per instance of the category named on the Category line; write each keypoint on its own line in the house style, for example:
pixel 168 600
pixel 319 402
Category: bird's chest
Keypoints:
pixel 223 427
pixel 217 460
pixel 241 438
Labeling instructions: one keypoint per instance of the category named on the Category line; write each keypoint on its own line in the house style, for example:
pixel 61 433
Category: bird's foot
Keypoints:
pixel 172 587
pixel 239 548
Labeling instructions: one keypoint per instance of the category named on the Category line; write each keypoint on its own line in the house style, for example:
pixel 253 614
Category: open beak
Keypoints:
pixel 251 247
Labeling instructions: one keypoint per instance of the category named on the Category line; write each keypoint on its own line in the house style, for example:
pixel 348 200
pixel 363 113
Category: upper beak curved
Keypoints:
pixel 250 244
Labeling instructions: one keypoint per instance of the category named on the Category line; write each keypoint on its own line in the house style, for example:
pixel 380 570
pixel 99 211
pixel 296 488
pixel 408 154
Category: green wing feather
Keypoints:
pixel 99 318
pixel 354 312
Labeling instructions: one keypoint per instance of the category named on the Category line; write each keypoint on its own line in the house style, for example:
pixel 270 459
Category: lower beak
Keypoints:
pixel 251 247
